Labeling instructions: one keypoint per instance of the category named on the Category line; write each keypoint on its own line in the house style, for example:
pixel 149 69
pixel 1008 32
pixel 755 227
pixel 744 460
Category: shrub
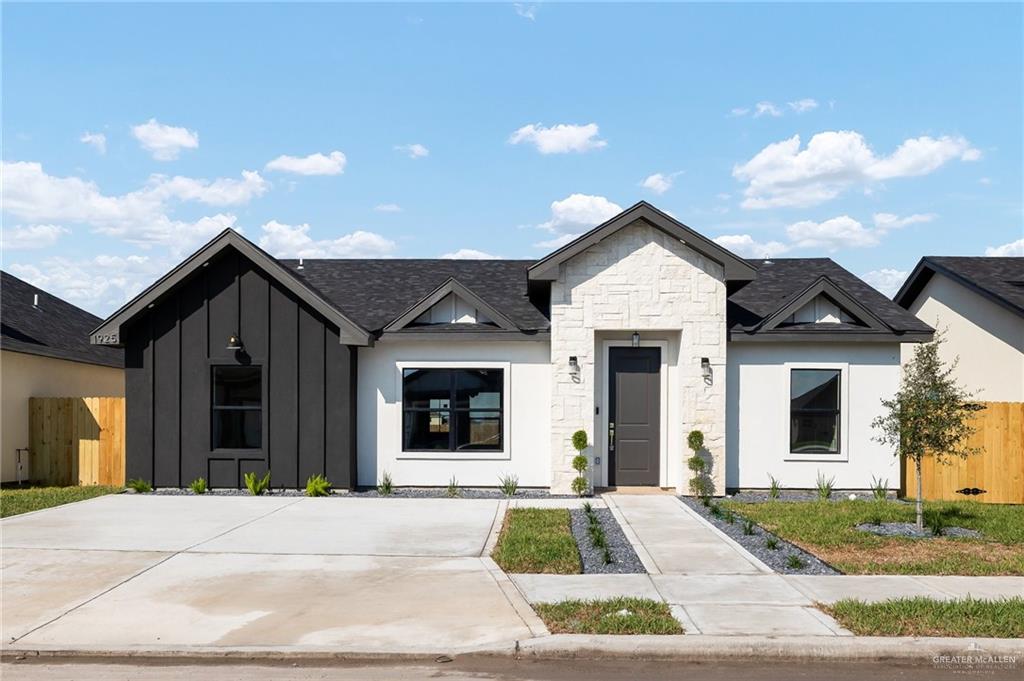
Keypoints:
pixel 509 484
pixel 579 440
pixel 139 485
pixel 771 543
pixel 729 516
pixel 580 485
pixel 198 486
pixel 748 527
pixel 318 486
pixel 587 508
pixel 774 488
pixel 935 522
pixel 824 486
pixel 716 510
pixel 385 486
pixel 794 562
pixel 876 519
pixel 879 488
pixel 453 488
pixel 256 486
pixel 700 485
pixel 695 440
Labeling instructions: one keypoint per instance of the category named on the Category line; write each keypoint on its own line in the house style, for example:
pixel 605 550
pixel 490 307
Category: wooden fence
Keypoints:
pixel 77 440
pixel 998 468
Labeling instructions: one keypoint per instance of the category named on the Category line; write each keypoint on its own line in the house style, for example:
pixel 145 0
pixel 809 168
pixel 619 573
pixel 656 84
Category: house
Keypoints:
pixel 978 302
pixel 637 332
pixel 45 352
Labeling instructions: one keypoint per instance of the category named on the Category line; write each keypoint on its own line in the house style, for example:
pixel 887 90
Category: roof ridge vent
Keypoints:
pixel 300 264
pixel 35 300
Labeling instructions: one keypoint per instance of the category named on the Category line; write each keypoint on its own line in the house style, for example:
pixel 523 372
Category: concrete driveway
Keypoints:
pixel 126 572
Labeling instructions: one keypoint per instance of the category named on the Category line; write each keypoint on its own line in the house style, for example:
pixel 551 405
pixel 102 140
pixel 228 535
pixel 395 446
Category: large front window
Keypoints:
pixel 452 410
pixel 237 408
pixel 814 411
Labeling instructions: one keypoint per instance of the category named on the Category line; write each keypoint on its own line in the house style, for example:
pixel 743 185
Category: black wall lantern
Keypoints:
pixel 636 339
pixel 235 343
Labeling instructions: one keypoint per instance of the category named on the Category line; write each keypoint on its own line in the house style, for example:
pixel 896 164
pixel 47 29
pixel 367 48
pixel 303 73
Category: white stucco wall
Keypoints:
pixel 23 376
pixel 527 420
pixel 988 338
pixel 759 421
pixel 639 279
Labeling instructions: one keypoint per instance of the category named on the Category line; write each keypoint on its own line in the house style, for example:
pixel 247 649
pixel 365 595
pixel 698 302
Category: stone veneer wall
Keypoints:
pixel 639 279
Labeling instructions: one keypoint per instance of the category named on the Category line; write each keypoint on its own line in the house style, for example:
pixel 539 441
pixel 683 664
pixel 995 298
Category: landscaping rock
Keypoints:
pixel 910 530
pixel 398 493
pixel 624 558
pixel 758 497
pixel 776 559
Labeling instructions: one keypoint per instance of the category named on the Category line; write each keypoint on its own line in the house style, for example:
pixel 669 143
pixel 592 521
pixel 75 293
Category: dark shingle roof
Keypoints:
pixel 781 279
pixel 999 279
pixel 374 292
pixel 55 328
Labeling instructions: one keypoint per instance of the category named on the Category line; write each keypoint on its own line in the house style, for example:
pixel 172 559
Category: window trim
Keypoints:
pixel 836 413
pixel 843 454
pixel 504 454
pixel 213 366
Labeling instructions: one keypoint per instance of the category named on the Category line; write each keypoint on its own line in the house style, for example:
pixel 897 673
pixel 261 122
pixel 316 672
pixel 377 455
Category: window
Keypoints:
pixel 237 408
pixel 452 410
pixel 814 411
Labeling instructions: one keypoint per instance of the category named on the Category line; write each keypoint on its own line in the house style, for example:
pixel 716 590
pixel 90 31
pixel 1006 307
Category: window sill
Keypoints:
pixel 824 457
pixel 454 456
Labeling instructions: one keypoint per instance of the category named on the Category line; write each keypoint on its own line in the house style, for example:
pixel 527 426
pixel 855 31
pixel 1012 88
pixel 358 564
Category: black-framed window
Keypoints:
pixel 452 410
pixel 814 411
pixel 237 407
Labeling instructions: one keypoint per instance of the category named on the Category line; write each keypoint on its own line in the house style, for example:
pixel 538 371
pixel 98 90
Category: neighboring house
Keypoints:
pixel 45 352
pixel 636 332
pixel 979 303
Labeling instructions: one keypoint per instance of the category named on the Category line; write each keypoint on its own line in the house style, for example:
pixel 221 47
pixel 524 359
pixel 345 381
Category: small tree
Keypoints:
pixel 700 486
pixel 930 414
pixel 580 485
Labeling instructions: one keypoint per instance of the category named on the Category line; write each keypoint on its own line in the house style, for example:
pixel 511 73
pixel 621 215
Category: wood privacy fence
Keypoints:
pixel 77 440
pixel 998 468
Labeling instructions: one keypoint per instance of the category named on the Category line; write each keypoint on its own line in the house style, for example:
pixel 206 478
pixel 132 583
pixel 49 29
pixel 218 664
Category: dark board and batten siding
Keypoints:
pixel 308 382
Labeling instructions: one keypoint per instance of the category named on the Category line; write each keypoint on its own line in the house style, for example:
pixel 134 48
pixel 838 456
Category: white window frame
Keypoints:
pixel 506 413
pixel 843 454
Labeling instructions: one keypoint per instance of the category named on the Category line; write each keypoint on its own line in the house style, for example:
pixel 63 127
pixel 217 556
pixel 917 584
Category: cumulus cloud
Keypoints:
pixel 1014 248
pixel 659 183
pixel 25 237
pixel 468 254
pixel 783 174
pixel 413 151
pixel 831 235
pixel 293 241
pixel 164 142
pixel 96 140
pixel 388 208
pixel 314 164
pixel 578 212
pixel 885 222
pixel 888 281
pixel 803 105
pixel 744 245
pixel 559 139
pixel 766 109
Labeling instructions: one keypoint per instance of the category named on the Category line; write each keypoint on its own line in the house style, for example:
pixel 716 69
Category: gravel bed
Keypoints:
pixel 624 558
pixel 398 493
pixel 225 492
pixel 755 544
pixel 910 530
pixel 758 497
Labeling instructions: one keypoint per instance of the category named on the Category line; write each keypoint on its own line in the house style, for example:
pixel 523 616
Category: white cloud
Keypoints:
pixel 739 111
pixel 766 109
pixel 579 212
pixel 293 241
pixel 24 237
pixel 388 208
pixel 659 183
pixel 803 105
pixel 559 139
pixel 783 174
pixel 1014 248
pixel 413 151
pixel 97 140
pixel 314 164
pixel 885 222
pixel 223 191
pixel 469 254
pixel 164 142
pixel 887 281
pixel 831 235
pixel 525 11
pixel 744 245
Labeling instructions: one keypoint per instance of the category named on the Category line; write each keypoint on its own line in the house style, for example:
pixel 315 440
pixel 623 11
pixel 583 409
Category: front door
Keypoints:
pixel 634 409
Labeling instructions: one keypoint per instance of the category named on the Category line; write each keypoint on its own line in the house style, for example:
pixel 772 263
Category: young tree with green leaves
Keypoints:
pixel 930 414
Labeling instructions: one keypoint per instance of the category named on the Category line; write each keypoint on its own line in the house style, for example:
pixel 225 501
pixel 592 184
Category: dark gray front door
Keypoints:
pixel 634 409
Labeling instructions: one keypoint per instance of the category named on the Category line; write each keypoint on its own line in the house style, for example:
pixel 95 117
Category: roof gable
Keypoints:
pixel 109 332
pixel 736 268
pixel 823 286
pixel 999 279
pixel 450 287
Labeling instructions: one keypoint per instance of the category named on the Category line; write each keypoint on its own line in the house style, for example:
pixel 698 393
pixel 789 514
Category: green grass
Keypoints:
pixel 642 616
pixel 15 500
pixel 828 530
pixel 928 617
pixel 537 540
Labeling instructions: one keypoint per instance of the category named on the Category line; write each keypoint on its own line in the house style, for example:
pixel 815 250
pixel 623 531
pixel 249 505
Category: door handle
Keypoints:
pixel 611 436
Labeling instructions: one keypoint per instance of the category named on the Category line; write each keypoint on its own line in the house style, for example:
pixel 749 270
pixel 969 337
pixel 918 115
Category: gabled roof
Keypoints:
pixel 53 328
pixel 1001 280
pixel 736 269
pixel 451 286
pixel 350 333
pixel 784 285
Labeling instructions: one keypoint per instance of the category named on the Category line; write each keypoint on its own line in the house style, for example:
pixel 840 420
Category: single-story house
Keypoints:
pixel 45 352
pixel 636 332
pixel 978 304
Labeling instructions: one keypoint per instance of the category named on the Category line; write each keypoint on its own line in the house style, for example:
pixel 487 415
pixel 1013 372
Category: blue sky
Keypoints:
pixel 873 134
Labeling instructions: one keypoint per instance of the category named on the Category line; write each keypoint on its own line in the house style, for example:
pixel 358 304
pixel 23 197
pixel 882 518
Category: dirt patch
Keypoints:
pixel 938 556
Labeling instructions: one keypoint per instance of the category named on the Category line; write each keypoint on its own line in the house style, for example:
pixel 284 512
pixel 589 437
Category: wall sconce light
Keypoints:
pixel 235 343
pixel 636 339
pixel 574 364
pixel 705 369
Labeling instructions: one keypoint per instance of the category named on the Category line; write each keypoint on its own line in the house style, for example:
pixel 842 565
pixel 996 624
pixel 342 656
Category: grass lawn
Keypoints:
pixel 15 500
pixel 537 540
pixel 828 530
pixel 928 617
pixel 641 616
